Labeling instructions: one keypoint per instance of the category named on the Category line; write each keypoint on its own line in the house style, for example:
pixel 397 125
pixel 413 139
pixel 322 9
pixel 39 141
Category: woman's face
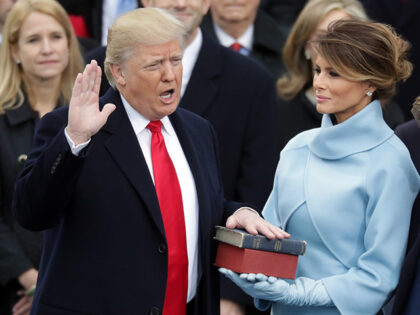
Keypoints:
pixel 337 95
pixel 42 48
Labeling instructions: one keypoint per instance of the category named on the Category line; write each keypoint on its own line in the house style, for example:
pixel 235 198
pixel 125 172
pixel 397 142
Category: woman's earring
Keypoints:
pixel 369 93
pixel 18 61
pixel 307 54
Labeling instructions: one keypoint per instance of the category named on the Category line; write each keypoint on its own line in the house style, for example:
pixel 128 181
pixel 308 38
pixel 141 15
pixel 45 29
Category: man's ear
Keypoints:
pixel 117 74
pixel 206 6
pixel 146 3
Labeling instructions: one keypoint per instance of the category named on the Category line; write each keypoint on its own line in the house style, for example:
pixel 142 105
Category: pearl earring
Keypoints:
pixel 307 54
pixel 18 61
pixel 369 93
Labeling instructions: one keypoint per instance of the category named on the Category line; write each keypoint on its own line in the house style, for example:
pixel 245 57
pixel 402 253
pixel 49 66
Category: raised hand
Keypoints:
pixel 85 118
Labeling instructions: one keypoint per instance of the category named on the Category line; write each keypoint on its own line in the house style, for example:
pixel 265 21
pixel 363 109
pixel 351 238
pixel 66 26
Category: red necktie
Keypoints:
pixel 170 201
pixel 236 46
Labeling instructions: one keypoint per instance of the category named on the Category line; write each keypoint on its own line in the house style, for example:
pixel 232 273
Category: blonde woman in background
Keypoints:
pixel 296 106
pixel 39 61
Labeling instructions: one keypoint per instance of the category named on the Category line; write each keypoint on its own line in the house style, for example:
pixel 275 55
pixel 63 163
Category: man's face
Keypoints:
pixel 234 11
pixel 150 79
pixel 5 7
pixel 190 12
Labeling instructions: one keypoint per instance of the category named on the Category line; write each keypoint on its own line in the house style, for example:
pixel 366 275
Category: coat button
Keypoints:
pixel 22 158
pixel 162 248
pixel 155 311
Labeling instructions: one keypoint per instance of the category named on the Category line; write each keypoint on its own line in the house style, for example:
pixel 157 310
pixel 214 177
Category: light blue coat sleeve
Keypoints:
pixel 392 186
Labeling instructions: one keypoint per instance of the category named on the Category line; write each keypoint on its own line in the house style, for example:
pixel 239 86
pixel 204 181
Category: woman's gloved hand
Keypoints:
pixel 301 292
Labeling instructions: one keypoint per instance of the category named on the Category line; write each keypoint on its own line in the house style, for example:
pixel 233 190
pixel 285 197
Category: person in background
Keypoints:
pixel 128 186
pixel 245 28
pixel 348 187
pixel 407 295
pixel 94 17
pixel 284 12
pixel 39 60
pixel 403 16
pixel 297 103
pixel 5 7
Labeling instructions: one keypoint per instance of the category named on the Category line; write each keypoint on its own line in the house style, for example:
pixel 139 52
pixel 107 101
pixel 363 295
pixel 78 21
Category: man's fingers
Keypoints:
pixel 92 76
pixel 108 109
pixel 98 79
pixel 77 85
pixel 85 77
pixel 232 222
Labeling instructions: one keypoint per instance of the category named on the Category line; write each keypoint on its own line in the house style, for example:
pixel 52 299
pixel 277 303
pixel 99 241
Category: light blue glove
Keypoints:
pixel 302 292
pixel 246 281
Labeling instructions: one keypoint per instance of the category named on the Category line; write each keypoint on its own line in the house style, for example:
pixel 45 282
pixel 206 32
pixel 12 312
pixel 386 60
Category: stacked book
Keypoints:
pixel 246 253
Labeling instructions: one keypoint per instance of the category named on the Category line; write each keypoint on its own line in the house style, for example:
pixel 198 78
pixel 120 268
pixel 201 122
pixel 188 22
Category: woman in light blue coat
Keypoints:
pixel 348 187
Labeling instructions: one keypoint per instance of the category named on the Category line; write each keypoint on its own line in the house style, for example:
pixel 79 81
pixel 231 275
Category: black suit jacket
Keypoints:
pixel 409 133
pixel 285 12
pixel 268 41
pixel 238 97
pixel 20 249
pixel 104 250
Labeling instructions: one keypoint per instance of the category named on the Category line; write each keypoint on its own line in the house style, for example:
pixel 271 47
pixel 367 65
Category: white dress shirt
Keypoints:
pixel 226 40
pixel 185 178
pixel 111 10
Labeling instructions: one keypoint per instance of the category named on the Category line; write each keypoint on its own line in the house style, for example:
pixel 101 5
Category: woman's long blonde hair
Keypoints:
pixel 299 69
pixel 11 80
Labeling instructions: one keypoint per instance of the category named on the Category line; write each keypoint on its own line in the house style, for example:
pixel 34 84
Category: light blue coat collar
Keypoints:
pixel 338 141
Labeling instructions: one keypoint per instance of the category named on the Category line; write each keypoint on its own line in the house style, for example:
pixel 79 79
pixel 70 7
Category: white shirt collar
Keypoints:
pixel 139 122
pixel 226 40
pixel 190 57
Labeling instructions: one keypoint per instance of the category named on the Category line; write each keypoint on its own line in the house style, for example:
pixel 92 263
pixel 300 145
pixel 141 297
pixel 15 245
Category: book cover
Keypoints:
pixel 243 239
pixel 245 260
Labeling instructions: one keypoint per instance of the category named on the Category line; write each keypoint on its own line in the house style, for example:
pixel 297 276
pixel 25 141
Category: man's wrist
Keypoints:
pixel 248 208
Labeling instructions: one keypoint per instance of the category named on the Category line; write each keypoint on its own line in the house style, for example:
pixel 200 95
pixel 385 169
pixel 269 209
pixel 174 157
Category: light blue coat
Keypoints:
pixel 348 190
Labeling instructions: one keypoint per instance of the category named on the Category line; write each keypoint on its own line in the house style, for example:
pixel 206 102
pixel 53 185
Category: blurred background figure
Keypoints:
pixel 407 295
pixel 245 28
pixel 5 7
pixel 284 12
pixel 297 104
pixel 403 15
pixel 94 17
pixel 39 60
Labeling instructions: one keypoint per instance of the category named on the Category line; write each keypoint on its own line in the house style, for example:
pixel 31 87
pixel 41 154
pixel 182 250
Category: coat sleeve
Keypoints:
pixel 13 259
pixel 44 187
pixel 392 185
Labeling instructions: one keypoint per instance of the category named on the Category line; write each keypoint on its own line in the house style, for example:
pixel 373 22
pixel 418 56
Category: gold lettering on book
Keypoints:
pixel 256 243
pixel 277 245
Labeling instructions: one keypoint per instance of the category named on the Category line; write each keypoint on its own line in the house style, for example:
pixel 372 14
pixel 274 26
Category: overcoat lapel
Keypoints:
pixel 125 150
pixel 202 87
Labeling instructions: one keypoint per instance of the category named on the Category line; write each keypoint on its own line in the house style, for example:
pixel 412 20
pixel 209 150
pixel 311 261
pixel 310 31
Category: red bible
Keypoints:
pixel 245 260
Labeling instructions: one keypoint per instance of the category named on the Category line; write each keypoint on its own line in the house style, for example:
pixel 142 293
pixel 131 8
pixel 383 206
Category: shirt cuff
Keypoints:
pixel 75 149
